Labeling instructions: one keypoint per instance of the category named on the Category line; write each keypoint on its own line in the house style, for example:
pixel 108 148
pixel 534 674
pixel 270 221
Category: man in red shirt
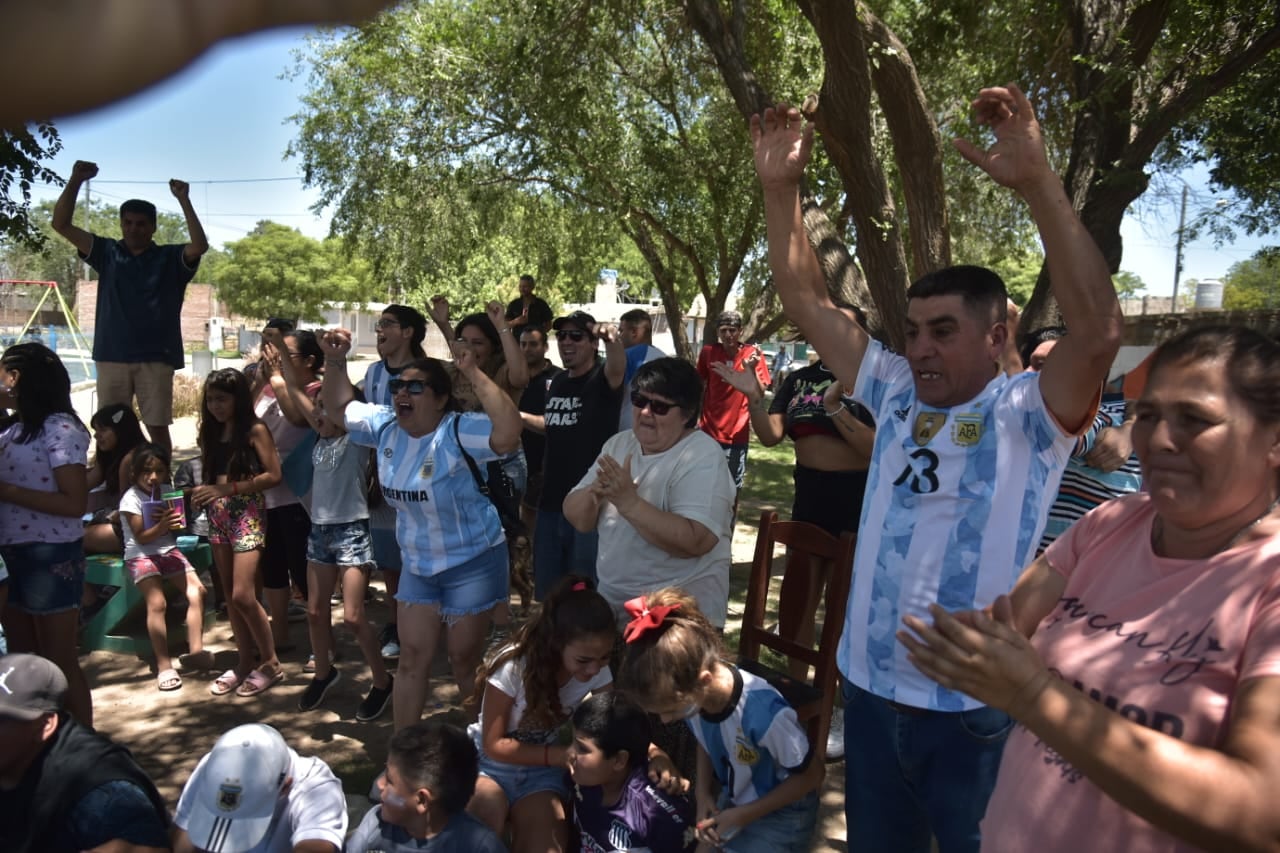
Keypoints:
pixel 724 408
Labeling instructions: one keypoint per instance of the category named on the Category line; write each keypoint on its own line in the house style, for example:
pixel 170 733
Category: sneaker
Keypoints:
pixel 390 640
pixel 376 702
pixel 297 611
pixel 835 736
pixel 314 694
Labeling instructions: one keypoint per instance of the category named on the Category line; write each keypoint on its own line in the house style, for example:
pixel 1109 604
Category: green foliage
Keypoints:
pixel 21 151
pixel 464 143
pixel 1253 283
pixel 1128 284
pixel 276 271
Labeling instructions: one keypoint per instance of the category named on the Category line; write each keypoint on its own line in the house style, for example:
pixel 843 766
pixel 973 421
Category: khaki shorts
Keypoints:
pixel 150 381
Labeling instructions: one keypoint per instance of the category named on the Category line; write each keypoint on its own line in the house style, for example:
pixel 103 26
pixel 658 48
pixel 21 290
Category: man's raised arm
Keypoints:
pixel 1078 273
pixel 64 209
pixel 782 141
pixel 197 243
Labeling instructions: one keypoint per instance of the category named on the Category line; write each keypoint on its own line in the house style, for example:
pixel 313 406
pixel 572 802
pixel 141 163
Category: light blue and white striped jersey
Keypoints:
pixel 956 500
pixel 375 383
pixel 755 743
pixel 442 520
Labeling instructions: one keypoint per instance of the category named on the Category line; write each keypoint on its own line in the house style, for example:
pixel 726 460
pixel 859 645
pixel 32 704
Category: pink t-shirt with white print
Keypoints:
pixel 1165 643
pixel 62 441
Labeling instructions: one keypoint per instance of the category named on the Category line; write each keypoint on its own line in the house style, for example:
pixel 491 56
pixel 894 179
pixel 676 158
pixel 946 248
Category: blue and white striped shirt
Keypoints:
pixel 755 743
pixel 442 520
pixel 956 500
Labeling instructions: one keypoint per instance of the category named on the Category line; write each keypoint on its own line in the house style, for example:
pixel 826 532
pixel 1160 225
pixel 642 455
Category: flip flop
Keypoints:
pixel 258 682
pixel 168 680
pixel 197 660
pixel 225 683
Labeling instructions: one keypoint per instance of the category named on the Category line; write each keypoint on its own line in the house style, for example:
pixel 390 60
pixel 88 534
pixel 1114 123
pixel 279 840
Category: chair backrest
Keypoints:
pixel 814 558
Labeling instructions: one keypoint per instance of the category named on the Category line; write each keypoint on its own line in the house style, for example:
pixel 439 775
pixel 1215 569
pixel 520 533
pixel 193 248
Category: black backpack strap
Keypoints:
pixel 471 463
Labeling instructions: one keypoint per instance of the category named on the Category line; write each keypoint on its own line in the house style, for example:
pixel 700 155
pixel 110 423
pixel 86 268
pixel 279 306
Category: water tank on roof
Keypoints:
pixel 1209 295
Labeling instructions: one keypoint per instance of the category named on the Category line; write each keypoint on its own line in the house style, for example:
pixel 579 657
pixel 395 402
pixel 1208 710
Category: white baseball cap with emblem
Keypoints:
pixel 235 791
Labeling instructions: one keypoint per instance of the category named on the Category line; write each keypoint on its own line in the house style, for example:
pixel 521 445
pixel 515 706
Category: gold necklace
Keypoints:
pixel 1158 539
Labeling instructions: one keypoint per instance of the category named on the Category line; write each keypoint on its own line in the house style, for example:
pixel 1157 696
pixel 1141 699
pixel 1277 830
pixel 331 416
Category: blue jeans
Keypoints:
pixel 912 773
pixel 559 550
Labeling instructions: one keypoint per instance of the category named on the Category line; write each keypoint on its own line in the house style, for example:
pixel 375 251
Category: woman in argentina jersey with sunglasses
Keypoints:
pixel 660 496
pixel 454 552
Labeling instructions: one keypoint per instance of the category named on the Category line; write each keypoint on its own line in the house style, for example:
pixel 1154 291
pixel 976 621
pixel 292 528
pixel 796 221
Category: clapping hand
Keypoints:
pixel 745 381
pixel 984 656
pixel 614 483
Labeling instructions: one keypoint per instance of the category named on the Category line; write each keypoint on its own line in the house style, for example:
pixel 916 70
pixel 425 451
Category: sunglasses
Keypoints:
pixel 386 324
pixel 571 334
pixel 413 386
pixel 658 407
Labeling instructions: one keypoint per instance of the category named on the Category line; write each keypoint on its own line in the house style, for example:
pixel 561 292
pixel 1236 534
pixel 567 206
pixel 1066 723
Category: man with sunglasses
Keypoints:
pixel 581 414
pixel 726 414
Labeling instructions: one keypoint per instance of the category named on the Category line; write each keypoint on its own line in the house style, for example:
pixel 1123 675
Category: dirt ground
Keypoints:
pixel 169 732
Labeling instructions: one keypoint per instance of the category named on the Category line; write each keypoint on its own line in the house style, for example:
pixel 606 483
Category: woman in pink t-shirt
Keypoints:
pixel 1148 700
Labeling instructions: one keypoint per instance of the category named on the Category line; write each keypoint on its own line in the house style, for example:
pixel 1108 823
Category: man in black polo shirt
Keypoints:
pixel 63 787
pixel 581 413
pixel 528 309
pixel 137 341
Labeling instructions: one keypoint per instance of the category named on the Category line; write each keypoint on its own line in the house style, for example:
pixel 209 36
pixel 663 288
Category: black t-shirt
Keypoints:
pixel 534 401
pixel 799 400
pixel 581 414
pixel 539 312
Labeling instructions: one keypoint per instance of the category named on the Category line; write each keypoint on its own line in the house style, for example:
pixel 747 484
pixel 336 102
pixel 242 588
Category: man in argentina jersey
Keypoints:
pixel 965 464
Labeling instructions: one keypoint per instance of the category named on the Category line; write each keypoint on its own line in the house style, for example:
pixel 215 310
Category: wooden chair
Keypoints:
pixel 814 558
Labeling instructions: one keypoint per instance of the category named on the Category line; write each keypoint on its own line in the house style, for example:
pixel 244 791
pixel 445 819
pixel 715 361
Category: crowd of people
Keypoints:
pixel 1022 663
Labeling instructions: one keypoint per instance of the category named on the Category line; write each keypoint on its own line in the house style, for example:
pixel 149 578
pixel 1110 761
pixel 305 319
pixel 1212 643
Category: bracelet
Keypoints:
pixel 505 330
pixel 832 414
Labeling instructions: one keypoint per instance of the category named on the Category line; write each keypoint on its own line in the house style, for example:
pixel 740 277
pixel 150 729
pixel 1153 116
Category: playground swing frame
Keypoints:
pixel 77 337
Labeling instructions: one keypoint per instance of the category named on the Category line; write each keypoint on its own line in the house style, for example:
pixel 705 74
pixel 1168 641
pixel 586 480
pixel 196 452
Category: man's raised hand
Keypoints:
pixel 83 171
pixel 180 189
pixel 1017 158
pixel 782 141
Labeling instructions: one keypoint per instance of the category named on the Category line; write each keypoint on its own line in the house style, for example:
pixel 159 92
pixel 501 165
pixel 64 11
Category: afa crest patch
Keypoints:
pixel 967 429
pixel 746 754
pixel 229 797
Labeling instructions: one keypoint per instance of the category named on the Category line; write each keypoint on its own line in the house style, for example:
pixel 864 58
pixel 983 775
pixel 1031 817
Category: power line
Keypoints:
pixel 211 181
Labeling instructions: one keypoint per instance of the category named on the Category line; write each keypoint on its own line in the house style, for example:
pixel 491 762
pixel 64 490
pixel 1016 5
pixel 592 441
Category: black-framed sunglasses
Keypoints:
pixel 572 334
pixel 658 407
pixel 384 323
pixel 413 386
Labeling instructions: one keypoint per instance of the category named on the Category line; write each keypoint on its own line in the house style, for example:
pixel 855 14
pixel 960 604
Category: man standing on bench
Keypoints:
pixel 137 342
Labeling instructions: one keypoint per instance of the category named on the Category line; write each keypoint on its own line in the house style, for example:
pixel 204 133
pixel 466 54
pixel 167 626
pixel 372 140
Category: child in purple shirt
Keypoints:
pixel 616 807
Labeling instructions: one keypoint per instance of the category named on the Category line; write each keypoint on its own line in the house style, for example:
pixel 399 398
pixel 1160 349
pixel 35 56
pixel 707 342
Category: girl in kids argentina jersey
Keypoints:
pixel 455 555
pixel 749 740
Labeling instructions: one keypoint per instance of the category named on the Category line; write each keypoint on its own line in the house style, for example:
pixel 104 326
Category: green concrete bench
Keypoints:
pixel 120 625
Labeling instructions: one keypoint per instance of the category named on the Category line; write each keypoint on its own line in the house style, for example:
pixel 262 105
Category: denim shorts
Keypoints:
pixel 518 781
pixel 45 577
pixel 343 544
pixel 473 587
pixel 787 829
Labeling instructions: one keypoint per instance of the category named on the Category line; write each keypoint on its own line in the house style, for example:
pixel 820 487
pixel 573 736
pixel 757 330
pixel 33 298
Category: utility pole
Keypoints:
pixel 1177 264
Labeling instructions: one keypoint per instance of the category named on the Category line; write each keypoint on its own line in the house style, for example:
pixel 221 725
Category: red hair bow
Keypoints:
pixel 644 617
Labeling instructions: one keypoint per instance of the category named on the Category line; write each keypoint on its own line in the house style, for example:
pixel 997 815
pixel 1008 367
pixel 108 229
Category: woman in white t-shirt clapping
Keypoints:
pixel 661 497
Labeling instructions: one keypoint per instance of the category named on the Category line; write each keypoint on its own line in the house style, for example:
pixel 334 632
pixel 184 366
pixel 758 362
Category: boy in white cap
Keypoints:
pixel 253 794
